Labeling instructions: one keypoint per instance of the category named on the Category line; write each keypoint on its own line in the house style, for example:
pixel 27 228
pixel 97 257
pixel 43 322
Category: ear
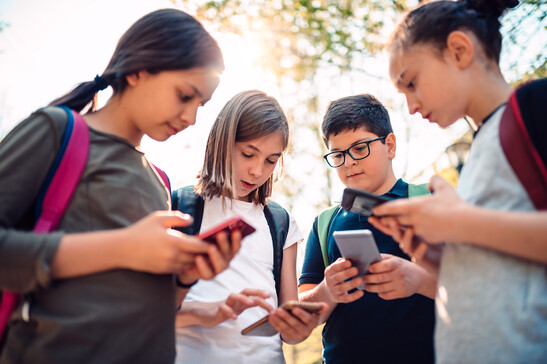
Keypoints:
pixel 460 48
pixel 132 79
pixel 391 143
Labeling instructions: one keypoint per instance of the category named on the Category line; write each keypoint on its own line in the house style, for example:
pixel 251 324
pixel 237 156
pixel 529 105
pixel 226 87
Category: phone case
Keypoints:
pixel 360 201
pixel 232 224
pixel 263 328
pixel 359 247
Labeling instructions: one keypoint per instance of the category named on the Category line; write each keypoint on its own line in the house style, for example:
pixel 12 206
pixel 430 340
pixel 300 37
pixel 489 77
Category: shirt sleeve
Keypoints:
pixel 313 267
pixel 26 155
pixel 294 235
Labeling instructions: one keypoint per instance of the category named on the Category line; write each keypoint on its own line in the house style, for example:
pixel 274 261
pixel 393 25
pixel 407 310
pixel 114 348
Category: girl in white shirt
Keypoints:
pixel 245 144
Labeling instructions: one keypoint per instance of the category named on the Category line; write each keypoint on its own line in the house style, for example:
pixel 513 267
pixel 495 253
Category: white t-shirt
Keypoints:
pixel 491 306
pixel 252 267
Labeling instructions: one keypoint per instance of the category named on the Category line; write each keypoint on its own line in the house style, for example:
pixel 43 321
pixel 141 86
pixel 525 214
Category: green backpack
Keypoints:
pixel 325 218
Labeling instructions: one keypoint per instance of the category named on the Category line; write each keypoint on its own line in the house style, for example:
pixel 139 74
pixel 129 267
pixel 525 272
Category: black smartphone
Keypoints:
pixel 360 201
pixel 230 225
pixel 359 247
pixel 262 327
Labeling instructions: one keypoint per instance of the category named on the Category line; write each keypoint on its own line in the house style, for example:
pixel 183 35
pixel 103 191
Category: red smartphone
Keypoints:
pixel 230 225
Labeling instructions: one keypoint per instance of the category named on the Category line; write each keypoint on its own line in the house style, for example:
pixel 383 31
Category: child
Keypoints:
pixel 101 289
pixel 386 323
pixel 245 144
pixel 492 292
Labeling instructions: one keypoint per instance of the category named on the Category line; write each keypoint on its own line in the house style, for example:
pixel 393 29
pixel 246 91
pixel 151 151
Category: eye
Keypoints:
pixel 410 85
pixel 361 147
pixel 270 161
pixel 245 155
pixel 185 98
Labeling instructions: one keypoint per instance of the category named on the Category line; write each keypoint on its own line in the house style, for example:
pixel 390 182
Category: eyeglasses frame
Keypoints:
pixel 344 152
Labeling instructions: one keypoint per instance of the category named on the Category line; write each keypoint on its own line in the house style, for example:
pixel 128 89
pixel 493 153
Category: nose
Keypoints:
pixel 413 104
pixel 189 114
pixel 255 169
pixel 348 160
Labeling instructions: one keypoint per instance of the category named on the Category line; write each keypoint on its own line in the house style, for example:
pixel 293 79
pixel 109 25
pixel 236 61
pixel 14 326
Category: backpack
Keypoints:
pixel 57 190
pixel 522 135
pixel 186 200
pixel 326 217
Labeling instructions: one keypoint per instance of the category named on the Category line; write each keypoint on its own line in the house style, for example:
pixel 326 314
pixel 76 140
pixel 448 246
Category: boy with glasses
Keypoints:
pixel 392 320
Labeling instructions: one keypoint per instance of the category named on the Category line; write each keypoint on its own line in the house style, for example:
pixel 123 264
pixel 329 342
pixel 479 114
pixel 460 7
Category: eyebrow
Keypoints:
pixel 258 150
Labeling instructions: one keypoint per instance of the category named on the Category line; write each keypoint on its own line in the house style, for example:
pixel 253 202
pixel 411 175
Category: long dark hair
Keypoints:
pixel 163 40
pixel 433 22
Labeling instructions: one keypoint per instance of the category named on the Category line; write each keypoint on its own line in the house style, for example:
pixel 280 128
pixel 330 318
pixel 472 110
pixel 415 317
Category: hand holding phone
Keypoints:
pixel 230 225
pixel 360 201
pixel 262 327
pixel 359 247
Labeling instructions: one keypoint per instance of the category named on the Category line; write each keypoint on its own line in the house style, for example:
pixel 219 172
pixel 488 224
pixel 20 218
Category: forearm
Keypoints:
pixel 522 234
pixel 87 253
pixel 197 313
pixel 318 293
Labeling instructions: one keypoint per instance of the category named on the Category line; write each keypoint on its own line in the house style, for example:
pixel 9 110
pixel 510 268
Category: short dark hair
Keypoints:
pixel 353 112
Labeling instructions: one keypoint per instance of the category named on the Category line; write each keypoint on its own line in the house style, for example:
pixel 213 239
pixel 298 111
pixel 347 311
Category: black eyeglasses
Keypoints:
pixel 357 152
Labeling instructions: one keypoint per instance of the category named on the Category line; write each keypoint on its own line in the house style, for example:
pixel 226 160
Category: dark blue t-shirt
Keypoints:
pixel 371 329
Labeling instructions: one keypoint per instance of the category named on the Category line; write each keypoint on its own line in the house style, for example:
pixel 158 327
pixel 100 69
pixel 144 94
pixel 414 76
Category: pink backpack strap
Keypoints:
pixel 164 179
pixel 58 195
pixel 522 155
pixel 66 177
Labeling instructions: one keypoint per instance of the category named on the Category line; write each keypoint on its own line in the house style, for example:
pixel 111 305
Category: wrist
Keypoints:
pixel 182 283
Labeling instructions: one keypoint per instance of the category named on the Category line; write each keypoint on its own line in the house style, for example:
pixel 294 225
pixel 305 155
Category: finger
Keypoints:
pixel 260 302
pixel 380 287
pixel 339 265
pixel 223 243
pixel 350 297
pixel 216 260
pixel 227 311
pixel 398 207
pixel 438 184
pixel 203 268
pixel 187 244
pixel 255 292
pixel 173 218
pixel 235 243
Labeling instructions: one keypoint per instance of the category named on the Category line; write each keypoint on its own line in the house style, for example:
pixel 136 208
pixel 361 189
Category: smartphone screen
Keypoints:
pixel 360 201
pixel 230 225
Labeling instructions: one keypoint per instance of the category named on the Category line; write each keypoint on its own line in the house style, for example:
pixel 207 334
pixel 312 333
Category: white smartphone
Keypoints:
pixel 359 247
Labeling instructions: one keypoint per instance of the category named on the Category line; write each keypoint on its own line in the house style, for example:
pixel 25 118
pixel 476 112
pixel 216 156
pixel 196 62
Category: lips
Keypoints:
pixel 354 175
pixel 248 186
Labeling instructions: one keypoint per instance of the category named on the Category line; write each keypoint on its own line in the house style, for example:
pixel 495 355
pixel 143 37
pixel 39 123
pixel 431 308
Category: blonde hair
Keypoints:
pixel 247 116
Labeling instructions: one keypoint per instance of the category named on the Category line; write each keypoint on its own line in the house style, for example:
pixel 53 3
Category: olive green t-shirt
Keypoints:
pixel 117 316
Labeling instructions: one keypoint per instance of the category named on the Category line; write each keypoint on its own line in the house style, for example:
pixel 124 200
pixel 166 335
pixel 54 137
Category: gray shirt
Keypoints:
pixel 491 306
pixel 118 316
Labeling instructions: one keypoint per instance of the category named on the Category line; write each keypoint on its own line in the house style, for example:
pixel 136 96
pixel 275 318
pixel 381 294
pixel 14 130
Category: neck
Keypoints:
pixel 489 92
pixel 113 119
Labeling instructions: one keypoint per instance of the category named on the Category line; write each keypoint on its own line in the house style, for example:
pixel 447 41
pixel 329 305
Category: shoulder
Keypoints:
pixel 42 125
